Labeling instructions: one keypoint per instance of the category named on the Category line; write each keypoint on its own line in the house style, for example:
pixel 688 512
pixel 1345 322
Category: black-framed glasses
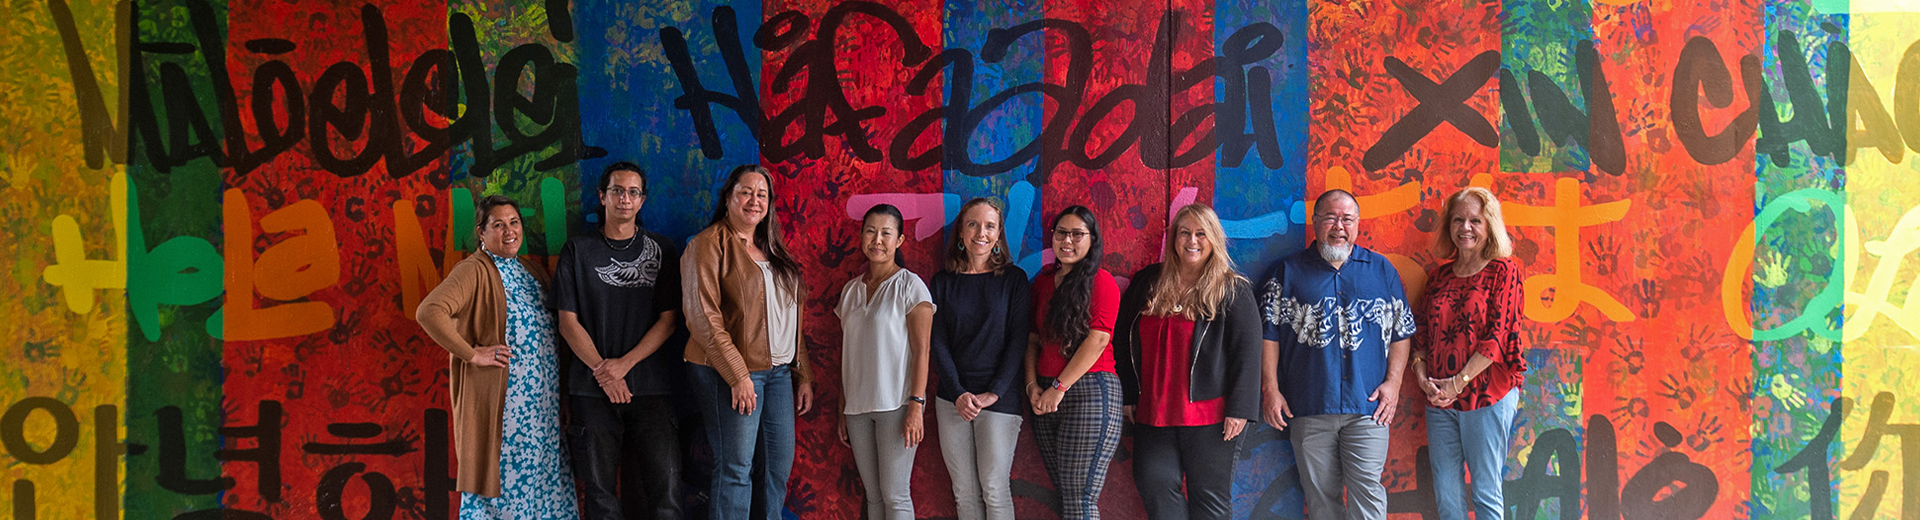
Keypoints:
pixel 1075 235
pixel 617 192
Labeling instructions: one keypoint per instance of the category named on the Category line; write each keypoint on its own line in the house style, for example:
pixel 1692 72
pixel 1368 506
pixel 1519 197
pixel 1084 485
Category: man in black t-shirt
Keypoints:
pixel 618 292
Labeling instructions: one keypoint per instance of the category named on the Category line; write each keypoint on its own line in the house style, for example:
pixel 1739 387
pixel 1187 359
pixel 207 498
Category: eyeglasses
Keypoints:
pixel 1335 219
pixel 617 192
pixel 1070 234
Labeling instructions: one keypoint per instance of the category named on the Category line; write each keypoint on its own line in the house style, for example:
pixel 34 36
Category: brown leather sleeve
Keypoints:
pixel 701 294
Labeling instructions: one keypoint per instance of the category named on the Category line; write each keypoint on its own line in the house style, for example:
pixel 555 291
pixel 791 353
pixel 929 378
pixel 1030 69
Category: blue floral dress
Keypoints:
pixel 536 482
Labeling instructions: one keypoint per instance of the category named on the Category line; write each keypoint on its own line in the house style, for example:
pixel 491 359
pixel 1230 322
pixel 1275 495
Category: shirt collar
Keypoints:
pixel 1360 254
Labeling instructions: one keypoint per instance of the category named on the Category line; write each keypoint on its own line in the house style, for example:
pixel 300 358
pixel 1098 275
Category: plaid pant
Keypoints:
pixel 1077 442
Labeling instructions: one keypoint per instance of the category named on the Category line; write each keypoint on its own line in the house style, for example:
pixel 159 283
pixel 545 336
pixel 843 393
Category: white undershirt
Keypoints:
pixel 783 318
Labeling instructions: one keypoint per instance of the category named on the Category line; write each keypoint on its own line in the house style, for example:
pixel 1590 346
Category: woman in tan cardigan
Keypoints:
pixel 491 315
pixel 741 290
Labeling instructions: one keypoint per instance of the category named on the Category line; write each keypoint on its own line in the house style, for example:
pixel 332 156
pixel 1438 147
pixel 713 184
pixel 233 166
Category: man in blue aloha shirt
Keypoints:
pixel 1337 326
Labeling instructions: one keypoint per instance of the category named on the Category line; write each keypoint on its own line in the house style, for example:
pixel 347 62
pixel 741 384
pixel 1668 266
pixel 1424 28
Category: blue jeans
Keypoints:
pixel 752 453
pixel 1475 441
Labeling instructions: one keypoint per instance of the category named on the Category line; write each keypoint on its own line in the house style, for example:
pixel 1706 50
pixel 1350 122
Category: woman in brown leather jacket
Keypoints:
pixel 741 293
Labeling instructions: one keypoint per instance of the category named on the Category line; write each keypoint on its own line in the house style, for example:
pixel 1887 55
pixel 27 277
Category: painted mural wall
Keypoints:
pixel 220 215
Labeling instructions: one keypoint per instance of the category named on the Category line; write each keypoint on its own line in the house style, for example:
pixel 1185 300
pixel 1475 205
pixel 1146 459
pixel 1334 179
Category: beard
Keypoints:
pixel 1334 254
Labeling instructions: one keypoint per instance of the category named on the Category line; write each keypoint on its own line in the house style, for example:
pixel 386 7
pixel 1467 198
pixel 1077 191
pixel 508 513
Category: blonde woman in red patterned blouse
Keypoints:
pixel 1467 356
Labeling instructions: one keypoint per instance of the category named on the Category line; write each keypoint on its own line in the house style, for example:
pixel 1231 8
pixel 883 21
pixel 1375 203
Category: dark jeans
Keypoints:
pixel 1162 455
pixel 633 448
pixel 752 453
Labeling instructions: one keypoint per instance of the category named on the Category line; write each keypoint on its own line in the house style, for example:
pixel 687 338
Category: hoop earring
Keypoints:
pixel 996 250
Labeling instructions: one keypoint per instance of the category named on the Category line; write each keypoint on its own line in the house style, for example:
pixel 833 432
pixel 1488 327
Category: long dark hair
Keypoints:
pixel 956 259
pixel 766 236
pixel 899 223
pixel 1072 304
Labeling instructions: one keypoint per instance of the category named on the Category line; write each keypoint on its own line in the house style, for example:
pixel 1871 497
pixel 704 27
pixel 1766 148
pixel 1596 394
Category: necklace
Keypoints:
pixel 872 282
pixel 623 247
pixel 1178 307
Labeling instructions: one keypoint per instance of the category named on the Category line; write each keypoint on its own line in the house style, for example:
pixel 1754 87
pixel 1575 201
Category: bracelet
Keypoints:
pixel 1060 387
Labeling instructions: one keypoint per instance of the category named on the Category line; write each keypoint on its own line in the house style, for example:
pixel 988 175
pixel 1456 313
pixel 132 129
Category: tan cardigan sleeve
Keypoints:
pixel 440 312
pixel 700 298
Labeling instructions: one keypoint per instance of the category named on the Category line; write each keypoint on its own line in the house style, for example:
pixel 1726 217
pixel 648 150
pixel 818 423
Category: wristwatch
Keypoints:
pixel 1465 378
pixel 917 399
pixel 1057 385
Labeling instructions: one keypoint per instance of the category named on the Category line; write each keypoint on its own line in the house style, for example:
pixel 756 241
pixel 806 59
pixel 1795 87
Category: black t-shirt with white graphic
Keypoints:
pixel 619 288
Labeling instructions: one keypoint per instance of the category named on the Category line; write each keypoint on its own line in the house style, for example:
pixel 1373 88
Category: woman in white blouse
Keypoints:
pixel 886 316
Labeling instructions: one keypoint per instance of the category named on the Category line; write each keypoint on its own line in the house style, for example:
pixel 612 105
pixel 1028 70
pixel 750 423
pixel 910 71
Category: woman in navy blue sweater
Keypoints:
pixel 979 338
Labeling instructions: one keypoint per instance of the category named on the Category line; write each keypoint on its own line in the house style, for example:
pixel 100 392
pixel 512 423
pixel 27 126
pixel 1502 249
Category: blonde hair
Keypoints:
pixel 1206 297
pixel 1497 245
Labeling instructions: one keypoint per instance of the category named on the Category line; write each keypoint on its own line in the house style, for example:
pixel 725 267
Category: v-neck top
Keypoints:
pixel 783 318
pixel 874 354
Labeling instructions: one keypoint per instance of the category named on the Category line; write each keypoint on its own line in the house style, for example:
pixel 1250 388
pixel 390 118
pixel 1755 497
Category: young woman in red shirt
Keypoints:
pixel 1069 369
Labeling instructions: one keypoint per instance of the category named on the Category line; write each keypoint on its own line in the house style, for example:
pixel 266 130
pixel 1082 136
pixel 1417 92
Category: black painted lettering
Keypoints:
pixel 276 138
pixel 1603 469
pixel 1443 102
pixel 1868 124
pixel 330 500
pixel 13 430
pixel 1906 96
pixel 1692 487
pixel 697 100
pixel 173 458
pixel 1245 118
pixel 24 507
pixel 1818 124
pixel 1702 71
pixel 349 117
pixel 1552 472
pixel 101 139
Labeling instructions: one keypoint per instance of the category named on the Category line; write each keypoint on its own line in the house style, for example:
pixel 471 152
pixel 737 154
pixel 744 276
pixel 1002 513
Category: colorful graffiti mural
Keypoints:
pixel 221 214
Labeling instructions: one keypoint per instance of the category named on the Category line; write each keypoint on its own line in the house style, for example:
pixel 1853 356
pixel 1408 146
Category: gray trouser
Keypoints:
pixel 979 457
pixel 1341 452
pixel 885 462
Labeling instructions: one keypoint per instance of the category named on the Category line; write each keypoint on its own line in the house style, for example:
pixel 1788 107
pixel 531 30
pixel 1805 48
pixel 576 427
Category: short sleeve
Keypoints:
pixel 1269 303
pixel 917 293
pixel 1401 313
pixel 1106 303
pixel 841 309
